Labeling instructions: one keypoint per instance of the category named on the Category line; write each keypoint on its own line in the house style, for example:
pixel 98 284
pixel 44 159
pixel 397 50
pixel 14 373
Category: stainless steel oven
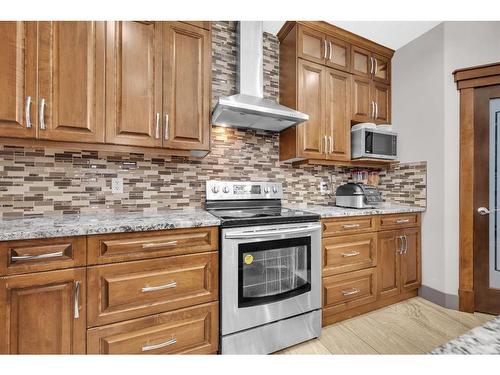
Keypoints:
pixel 270 273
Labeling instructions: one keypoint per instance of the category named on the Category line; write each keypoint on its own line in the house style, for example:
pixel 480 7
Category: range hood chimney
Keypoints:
pixel 249 109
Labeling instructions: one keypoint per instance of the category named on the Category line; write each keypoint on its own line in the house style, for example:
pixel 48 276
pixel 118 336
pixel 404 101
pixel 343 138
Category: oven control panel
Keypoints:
pixel 238 190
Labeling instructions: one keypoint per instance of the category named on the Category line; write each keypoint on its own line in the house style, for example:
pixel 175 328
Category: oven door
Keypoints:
pixel 269 273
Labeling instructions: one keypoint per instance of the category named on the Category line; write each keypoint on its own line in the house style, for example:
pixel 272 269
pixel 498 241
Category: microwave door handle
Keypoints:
pixel 271 233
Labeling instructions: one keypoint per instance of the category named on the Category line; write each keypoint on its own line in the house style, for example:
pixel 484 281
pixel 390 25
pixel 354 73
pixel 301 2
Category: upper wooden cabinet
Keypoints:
pixel 370 101
pixel 71 81
pixel 368 64
pixel 17 79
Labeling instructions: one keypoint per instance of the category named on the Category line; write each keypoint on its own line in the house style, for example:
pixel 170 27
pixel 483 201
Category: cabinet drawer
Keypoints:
pixel 349 253
pixel 349 290
pixel 121 247
pixel 41 255
pixel 188 331
pixel 340 226
pixel 399 221
pixel 130 290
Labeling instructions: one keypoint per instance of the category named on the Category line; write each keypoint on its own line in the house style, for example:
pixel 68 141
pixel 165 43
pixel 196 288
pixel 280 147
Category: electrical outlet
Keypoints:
pixel 117 185
pixel 323 187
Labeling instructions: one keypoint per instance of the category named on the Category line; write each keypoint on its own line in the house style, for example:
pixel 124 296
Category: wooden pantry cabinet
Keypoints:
pixel 135 84
pixel 369 262
pixel 123 293
pixel 338 79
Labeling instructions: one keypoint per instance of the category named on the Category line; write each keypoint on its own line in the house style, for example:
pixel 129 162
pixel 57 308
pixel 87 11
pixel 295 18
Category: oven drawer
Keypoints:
pixel 129 290
pixel 25 256
pixel 193 330
pixel 349 253
pixel 349 290
pixel 399 221
pixel 350 225
pixel 120 247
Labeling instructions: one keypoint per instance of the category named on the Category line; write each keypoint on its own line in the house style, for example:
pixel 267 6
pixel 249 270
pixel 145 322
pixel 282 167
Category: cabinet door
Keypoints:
pixel 382 69
pixel 411 273
pixel 311 100
pixel 362 106
pixel 17 79
pixel 71 81
pixel 187 83
pixel 388 263
pixel 361 62
pixel 43 313
pixel 337 104
pixel 133 83
pixel 339 54
pixel 381 96
pixel 311 45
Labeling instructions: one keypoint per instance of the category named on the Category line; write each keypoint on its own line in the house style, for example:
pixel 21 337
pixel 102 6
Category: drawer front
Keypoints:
pixel 121 247
pixel 130 290
pixel 346 291
pixel 353 225
pixel 399 221
pixel 188 331
pixel 25 256
pixel 349 253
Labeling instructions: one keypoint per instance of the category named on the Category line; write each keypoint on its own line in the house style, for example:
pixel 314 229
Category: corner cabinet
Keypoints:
pixel 143 84
pixel 338 79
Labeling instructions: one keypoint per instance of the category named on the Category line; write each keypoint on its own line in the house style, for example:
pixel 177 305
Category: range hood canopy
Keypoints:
pixel 249 109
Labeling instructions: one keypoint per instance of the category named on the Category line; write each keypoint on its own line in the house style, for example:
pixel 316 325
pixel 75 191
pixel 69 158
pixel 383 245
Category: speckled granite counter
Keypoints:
pixel 334 211
pixel 480 340
pixel 98 223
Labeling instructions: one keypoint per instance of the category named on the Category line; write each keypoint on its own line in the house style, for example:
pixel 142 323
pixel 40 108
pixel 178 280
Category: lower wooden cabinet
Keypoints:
pixel 43 313
pixel 192 330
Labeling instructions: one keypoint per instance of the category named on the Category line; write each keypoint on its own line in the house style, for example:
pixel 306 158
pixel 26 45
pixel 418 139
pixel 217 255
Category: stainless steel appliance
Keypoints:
pixel 357 195
pixel 270 268
pixel 373 143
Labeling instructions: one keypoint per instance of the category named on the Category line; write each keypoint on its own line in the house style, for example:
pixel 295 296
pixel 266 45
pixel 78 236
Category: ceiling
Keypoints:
pixel 392 34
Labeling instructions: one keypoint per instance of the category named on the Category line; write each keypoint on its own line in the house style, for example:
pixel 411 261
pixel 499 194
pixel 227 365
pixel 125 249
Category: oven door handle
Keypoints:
pixel 271 233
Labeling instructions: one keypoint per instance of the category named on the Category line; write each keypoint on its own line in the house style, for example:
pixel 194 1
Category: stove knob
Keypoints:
pixel 225 189
pixel 267 190
pixel 215 189
pixel 275 189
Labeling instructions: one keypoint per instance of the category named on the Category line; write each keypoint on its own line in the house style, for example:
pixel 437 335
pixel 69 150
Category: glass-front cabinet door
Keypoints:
pixel 271 271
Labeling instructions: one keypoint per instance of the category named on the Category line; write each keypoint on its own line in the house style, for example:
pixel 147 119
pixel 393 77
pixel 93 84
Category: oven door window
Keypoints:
pixel 271 271
pixel 380 144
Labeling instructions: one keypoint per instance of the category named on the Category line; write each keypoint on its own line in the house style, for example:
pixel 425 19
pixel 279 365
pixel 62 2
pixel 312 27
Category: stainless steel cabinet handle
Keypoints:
pixel 376 110
pixel 402 221
pixel 170 285
pixel 350 254
pixel 405 250
pixel 147 348
pixel 376 66
pixel 76 312
pixel 27 112
pixel 330 45
pixel 326 144
pixel 331 144
pixel 400 250
pixel 157 135
pixel 372 106
pixel 350 226
pixel 41 114
pixel 350 292
pixel 271 233
pixel 371 65
pixel 166 127
pixel 37 257
pixel 158 244
pixel 324 46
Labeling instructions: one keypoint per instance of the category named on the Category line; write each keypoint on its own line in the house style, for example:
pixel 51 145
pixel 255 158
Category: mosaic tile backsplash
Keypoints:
pixel 37 181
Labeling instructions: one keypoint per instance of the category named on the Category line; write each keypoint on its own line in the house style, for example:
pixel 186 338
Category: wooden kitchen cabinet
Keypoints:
pixel 311 44
pixel 187 61
pixel 338 56
pixel 361 62
pixel 371 101
pixel 43 313
pixel 381 95
pixel 411 268
pixel 18 79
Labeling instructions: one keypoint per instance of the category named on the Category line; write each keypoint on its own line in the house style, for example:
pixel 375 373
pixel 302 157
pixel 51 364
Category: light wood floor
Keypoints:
pixel 414 326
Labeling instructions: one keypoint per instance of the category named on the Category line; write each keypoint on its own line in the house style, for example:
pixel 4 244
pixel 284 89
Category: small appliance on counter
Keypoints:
pixel 357 195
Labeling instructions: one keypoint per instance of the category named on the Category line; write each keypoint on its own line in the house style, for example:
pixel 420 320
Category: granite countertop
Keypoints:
pixel 387 208
pixel 99 223
pixel 484 339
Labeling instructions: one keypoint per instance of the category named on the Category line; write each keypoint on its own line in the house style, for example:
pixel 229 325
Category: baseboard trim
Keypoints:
pixel 450 301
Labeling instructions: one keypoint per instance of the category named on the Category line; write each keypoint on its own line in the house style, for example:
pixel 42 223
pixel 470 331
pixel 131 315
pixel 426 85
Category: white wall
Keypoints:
pixel 426 114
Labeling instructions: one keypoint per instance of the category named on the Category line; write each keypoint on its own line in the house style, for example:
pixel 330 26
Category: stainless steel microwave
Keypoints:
pixel 374 144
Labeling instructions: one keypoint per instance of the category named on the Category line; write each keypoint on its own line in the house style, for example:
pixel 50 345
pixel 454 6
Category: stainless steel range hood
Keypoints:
pixel 249 109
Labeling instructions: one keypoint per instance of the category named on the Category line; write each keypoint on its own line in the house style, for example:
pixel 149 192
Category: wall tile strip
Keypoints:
pixel 36 181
